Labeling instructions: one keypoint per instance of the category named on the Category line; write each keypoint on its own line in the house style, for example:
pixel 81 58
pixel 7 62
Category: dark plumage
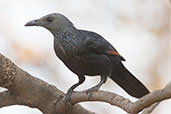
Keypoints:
pixel 88 53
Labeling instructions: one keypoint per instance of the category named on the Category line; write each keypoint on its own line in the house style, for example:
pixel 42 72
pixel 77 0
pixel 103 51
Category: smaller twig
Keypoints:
pixel 151 108
pixel 153 97
pixel 103 96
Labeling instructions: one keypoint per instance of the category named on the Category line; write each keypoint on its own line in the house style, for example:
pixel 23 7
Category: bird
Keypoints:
pixel 87 53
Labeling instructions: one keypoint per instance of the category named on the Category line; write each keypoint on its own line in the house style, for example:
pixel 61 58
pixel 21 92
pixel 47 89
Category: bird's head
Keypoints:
pixel 52 22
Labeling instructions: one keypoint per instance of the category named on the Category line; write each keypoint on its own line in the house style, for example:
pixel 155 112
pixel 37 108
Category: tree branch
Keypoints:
pixel 24 89
pixel 126 104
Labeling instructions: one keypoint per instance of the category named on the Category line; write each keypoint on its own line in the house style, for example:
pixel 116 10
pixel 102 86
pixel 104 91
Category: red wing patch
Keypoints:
pixel 114 52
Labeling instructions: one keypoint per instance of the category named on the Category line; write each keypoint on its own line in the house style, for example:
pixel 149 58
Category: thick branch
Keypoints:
pixel 24 89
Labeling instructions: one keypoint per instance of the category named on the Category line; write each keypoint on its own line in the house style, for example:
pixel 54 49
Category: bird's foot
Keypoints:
pixel 91 90
pixel 68 97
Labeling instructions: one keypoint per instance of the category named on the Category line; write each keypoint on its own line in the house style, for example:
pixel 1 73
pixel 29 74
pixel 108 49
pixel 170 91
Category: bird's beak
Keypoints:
pixel 33 23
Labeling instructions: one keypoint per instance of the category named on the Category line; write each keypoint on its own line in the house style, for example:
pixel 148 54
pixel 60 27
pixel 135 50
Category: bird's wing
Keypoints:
pixel 98 44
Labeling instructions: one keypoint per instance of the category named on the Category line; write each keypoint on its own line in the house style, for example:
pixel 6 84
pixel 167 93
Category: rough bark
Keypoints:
pixel 24 89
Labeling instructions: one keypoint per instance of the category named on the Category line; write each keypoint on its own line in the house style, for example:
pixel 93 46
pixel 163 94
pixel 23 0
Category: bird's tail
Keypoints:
pixel 128 82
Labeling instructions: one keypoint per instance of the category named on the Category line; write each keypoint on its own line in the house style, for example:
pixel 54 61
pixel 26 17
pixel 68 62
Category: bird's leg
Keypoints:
pixel 95 88
pixel 71 89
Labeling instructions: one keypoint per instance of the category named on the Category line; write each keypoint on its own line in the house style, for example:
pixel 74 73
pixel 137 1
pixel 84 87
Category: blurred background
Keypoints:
pixel 138 29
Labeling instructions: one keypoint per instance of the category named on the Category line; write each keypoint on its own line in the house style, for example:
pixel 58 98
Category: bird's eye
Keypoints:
pixel 49 19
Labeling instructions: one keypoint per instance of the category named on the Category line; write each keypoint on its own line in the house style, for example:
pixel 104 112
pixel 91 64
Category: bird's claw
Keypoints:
pixel 90 91
pixel 68 97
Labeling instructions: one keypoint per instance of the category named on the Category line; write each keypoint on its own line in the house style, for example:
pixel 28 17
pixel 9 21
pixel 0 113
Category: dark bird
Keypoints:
pixel 88 53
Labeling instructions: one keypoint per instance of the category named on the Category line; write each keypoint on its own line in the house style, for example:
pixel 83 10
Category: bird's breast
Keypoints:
pixel 65 49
